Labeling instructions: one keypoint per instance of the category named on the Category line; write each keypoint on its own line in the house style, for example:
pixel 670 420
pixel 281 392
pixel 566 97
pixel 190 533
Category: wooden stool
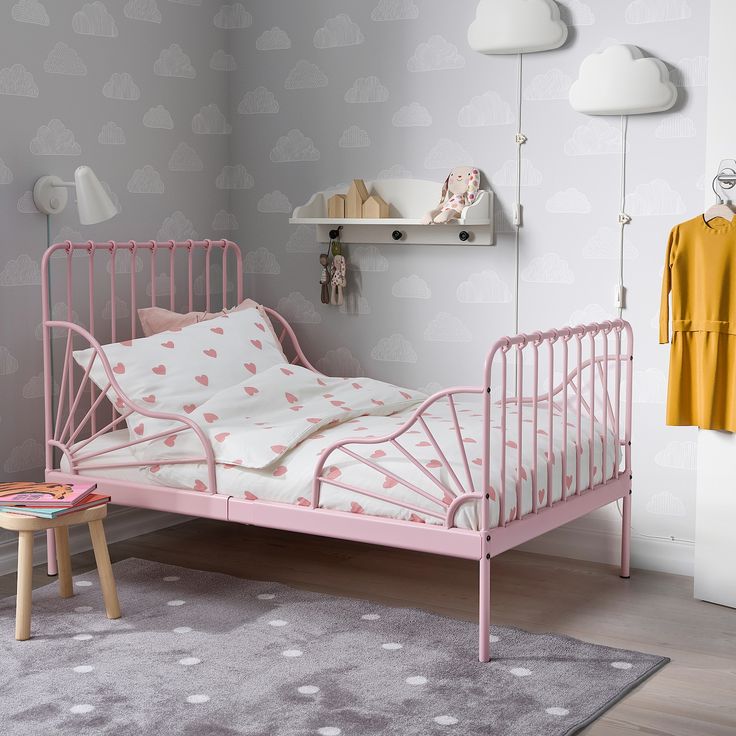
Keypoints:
pixel 26 526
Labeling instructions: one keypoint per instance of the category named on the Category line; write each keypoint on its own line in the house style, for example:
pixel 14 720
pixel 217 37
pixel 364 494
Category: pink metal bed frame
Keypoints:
pixel 82 414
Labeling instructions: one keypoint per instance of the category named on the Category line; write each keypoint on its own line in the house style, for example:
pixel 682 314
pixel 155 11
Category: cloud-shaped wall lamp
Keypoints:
pixel 622 81
pixel 516 26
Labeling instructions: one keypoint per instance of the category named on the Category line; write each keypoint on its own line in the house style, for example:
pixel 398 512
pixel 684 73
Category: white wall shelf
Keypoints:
pixel 409 200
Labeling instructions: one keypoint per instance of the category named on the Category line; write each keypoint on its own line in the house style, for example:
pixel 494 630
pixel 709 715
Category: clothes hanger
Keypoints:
pixel 726 178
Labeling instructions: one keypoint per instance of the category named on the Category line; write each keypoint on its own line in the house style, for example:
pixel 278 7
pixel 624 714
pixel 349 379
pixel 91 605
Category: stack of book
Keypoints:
pixel 48 500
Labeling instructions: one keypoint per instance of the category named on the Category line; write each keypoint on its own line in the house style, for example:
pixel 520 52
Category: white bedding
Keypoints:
pixel 256 421
pixel 136 473
pixel 289 478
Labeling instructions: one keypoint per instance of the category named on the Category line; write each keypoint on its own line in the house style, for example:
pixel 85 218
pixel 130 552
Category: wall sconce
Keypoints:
pixel 93 203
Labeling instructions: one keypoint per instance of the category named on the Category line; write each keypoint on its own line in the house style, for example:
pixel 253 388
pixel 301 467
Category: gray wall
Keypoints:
pixel 93 83
pixel 422 119
pixel 568 249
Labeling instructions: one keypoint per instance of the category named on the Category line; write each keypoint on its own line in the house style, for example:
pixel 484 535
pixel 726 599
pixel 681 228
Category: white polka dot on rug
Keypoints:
pixel 329 731
pixel 392 646
pixel 493 638
pixel 81 708
pixel 83 668
pixel 556 711
pixel 171 578
pixel 622 665
pixel 307 689
pixel 176 602
pixel 189 661
pixel 278 622
pixel 82 637
pixel 416 680
pixel 445 720
pixel 370 617
pixel 83 583
pixel 291 653
pixel 182 629
pixel 198 698
pixel 83 609
pixel 520 671
pixel 266 596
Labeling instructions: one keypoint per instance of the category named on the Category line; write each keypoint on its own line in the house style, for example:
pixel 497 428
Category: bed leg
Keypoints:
pixel 626 538
pixel 484 609
pixel 51 568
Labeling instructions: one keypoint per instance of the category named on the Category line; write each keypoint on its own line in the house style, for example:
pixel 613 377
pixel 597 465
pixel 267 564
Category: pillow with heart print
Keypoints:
pixel 176 371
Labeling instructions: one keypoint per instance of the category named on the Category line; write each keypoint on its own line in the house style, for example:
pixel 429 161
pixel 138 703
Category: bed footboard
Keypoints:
pixel 575 381
pixel 573 386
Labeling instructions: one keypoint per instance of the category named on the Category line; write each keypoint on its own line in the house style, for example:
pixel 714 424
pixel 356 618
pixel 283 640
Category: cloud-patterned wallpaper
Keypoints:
pixel 391 88
pixel 226 115
pixel 125 87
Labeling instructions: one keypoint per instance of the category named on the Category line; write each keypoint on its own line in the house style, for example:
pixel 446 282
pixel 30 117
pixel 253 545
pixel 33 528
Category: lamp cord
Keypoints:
pixel 520 139
pixel 623 218
pixel 670 538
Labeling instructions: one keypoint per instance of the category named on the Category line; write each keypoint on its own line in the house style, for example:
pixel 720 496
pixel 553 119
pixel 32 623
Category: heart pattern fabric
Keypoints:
pixel 179 370
pixel 288 478
pixel 258 420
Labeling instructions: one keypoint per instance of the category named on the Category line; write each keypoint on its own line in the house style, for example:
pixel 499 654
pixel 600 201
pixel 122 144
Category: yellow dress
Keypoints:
pixel 700 271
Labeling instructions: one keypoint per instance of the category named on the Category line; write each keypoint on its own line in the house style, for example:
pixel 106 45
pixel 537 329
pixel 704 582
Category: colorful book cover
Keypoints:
pixel 53 495
pixel 91 501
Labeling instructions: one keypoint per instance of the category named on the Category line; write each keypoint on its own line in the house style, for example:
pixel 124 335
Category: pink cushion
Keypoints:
pixel 157 319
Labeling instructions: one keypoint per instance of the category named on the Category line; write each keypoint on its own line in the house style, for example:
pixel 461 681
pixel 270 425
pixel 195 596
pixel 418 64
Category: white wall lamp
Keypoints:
pixel 621 81
pixel 93 203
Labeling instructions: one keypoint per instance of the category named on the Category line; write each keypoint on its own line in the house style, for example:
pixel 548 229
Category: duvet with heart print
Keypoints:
pixel 257 421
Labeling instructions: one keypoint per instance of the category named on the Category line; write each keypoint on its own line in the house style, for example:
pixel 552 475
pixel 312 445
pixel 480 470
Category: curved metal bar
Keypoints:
pixel 457 504
pixel 288 331
pixel 142 410
pixel 63 449
pixel 408 424
pixel 559 388
pixel 112 251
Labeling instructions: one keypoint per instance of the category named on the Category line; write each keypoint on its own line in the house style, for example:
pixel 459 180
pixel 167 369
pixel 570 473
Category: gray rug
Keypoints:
pixel 205 654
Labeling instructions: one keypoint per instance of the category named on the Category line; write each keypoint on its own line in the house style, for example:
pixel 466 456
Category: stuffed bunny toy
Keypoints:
pixel 460 189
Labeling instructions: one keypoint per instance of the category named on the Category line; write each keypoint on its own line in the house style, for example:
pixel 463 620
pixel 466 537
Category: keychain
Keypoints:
pixel 325 277
pixel 339 269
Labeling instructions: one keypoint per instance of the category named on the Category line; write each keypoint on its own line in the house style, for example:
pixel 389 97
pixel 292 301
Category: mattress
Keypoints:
pixel 289 479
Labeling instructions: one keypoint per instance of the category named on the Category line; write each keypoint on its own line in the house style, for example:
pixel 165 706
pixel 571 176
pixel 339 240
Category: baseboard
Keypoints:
pixel 576 542
pixel 596 545
pixel 121 523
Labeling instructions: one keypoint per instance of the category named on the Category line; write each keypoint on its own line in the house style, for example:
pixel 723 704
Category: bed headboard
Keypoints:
pixel 99 286
pixel 93 290
pixel 91 293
